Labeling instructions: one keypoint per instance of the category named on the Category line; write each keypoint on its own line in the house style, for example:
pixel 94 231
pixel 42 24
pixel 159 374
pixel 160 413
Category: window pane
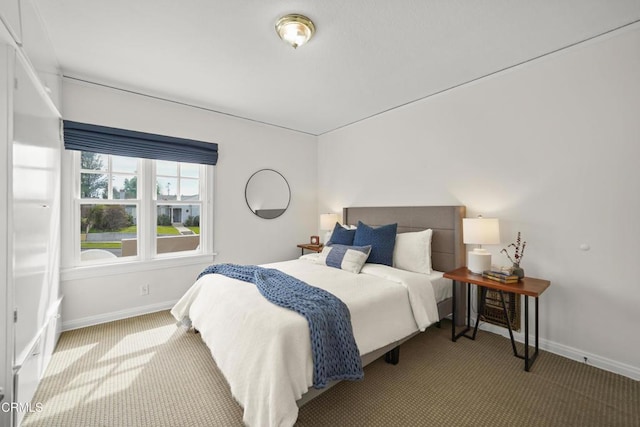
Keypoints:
pixel 94 161
pixel 166 188
pixel 94 185
pixel 109 228
pixel 164 167
pixel 189 189
pixel 178 228
pixel 125 186
pixel 124 164
pixel 189 170
pixel 108 231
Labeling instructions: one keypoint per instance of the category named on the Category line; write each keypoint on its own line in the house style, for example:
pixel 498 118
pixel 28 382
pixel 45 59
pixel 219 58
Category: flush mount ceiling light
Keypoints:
pixel 295 29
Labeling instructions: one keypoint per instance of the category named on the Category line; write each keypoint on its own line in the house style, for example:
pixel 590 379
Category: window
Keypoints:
pixel 134 209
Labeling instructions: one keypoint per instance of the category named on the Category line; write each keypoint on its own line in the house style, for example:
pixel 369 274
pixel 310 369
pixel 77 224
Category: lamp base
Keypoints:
pixel 478 260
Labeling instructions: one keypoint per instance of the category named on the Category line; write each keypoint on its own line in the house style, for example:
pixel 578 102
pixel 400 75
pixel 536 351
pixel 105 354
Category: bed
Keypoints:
pixel 264 350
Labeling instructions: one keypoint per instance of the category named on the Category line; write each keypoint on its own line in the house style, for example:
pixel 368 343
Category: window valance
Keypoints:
pixel 121 142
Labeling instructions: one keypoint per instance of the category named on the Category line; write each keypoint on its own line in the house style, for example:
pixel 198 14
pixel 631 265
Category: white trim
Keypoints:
pixel 146 207
pixel 569 352
pixel 7 336
pixel 37 83
pixel 92 271
pixel 116 315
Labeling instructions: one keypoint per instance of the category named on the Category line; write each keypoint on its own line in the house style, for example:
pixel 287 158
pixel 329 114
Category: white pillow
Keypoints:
pixel 413 251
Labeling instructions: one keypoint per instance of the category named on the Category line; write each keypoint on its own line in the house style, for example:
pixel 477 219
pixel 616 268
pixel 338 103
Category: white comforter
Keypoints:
pixel 264 350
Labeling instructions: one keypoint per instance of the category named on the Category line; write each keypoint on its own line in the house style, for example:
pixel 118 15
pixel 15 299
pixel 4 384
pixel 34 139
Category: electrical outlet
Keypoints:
pixel 144 289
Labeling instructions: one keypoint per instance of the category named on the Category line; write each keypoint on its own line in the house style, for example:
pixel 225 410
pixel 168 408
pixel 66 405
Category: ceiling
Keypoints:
pixel 366 57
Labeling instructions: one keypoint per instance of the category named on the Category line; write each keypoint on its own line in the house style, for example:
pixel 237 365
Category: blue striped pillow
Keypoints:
pixel 348 258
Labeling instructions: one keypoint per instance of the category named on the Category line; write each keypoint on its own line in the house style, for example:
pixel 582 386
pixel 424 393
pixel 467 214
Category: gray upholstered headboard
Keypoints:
pixel 447 249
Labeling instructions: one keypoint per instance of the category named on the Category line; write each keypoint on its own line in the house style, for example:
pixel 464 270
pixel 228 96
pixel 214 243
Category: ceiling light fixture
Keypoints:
pixel 295 29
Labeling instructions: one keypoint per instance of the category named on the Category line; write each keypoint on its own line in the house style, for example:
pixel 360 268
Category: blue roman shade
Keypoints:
pixel 121 142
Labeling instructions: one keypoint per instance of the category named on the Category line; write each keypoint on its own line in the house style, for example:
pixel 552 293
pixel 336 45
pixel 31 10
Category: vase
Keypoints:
pixel 517 271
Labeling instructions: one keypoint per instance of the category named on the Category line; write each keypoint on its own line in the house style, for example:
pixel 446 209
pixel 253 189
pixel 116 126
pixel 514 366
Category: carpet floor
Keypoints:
pixel 144 371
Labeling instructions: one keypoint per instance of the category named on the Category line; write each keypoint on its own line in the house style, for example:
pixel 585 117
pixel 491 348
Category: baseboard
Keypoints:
pixel 570 352
pixel 115 315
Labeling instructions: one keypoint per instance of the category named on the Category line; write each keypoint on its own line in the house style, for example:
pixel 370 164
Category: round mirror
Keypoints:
pixel 267 194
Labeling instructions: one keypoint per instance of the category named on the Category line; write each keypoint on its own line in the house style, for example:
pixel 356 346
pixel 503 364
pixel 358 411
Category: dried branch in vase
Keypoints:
pixel 518 246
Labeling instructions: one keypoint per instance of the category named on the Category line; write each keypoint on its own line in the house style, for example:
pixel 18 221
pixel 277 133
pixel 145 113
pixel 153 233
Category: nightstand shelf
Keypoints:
pixel 527 286
pixel 309 247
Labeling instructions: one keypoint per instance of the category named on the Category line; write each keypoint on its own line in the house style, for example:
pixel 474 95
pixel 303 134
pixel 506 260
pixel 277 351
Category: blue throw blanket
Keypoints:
pixel 334 350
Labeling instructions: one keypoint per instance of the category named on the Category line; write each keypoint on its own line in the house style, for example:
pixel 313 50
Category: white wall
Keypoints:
pixel 551 148
pixel 239 235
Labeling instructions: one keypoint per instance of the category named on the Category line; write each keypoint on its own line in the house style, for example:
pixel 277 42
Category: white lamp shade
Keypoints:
pixel 480 231
pixel 328 221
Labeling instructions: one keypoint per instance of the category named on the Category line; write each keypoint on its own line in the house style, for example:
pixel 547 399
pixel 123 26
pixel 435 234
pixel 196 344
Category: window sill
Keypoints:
pixel 99 270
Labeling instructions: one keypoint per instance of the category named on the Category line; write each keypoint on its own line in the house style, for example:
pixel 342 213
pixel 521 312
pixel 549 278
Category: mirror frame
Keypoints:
pixel 246 187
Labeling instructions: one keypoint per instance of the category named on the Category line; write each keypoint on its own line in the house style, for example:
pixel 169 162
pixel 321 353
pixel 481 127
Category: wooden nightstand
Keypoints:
pixel 527 286
pixel 309 247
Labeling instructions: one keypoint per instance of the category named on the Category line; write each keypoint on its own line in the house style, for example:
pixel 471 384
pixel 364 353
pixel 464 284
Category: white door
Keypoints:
pixel 6 342
pixel 32 233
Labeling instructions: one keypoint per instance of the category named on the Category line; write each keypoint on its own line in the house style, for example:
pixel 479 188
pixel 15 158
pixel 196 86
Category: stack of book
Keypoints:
pixel 500 276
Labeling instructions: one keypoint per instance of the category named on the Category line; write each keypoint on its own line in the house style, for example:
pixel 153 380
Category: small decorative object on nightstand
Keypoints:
pixel 315 240
pixel 517 256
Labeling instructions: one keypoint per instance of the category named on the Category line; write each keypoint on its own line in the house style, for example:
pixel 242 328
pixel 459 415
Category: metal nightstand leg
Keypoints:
pixel 506 316
pixel 463 333
pixel 481 305
pixel 528 361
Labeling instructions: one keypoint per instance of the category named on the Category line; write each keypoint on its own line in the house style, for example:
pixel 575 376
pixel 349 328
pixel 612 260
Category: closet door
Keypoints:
pixel 35 204
pixel 35 187
pixel 6 319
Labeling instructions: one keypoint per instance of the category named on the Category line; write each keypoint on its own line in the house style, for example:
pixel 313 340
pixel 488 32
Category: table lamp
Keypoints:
pixel 480 231
pixel 327 222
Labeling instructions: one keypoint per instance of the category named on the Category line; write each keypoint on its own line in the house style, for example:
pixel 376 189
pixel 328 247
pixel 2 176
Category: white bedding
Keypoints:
pixel 264 350
pixel 441 286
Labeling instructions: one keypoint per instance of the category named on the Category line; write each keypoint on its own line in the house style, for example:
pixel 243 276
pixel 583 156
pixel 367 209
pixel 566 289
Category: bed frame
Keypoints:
pixel 447 253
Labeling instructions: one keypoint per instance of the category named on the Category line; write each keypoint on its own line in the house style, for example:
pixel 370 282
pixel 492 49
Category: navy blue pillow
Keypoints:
pixel 341 236
pixel 382 240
